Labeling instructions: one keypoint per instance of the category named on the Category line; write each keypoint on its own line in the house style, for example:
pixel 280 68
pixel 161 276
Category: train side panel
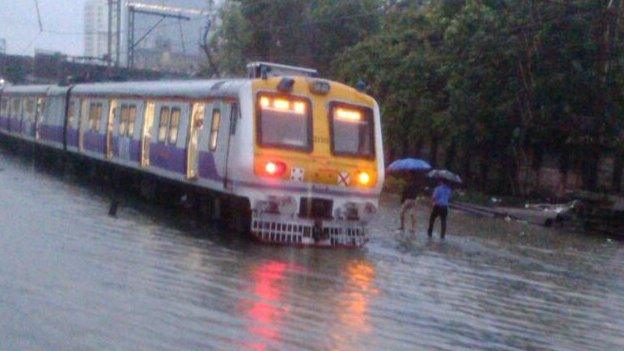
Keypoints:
pixel 51 125
pixel 20 108
pixel 4 113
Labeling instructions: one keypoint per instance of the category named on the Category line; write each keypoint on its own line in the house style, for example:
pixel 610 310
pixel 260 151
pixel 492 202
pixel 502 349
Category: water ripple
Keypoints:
pixel 73 278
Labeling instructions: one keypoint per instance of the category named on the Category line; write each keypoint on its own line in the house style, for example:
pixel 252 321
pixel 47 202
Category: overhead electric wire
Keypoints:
pixel 123 31
pixel 39 16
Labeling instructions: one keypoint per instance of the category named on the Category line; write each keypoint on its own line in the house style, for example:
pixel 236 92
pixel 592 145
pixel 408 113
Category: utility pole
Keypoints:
pixel 114 32
pixel 130 53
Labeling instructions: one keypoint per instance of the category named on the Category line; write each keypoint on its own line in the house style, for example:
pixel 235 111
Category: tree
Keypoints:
pixel 298 32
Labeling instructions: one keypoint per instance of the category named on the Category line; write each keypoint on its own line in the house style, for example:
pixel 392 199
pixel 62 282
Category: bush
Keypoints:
pixel 472 197
pixel 394 185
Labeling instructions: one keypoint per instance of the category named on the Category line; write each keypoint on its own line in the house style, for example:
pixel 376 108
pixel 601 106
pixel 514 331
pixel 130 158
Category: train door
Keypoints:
pixel 21 116
pixel 125 122
pixel 233 121
pixel 31 110
pixel 19 122
pixel 192 144
pixel 110 127
pixel 38 117
pixel 218 136
pixel 146 135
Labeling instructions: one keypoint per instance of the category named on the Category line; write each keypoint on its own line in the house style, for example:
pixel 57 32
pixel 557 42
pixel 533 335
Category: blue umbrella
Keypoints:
pixel 409 164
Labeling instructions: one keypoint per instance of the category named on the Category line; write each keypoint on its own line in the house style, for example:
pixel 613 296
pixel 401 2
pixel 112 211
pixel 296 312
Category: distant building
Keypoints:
pixel 161 57
pixel 96 29
pixel 2 46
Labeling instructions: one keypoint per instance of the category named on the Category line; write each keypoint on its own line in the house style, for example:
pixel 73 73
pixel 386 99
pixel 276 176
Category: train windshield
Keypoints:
pixel 284 122
pixel 352 131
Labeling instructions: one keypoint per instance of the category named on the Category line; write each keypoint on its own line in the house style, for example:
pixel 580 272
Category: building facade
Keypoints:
pixel 96 29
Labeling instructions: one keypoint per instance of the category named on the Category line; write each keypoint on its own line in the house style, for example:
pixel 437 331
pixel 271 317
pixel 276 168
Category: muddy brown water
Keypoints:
pixel 73 278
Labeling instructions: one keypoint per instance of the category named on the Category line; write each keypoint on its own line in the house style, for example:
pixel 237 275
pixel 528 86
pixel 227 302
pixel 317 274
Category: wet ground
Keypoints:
pixel 73 278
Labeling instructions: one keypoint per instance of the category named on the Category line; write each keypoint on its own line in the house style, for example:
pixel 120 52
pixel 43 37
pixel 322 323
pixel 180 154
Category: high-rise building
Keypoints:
pixel 2 46
pixel 96 28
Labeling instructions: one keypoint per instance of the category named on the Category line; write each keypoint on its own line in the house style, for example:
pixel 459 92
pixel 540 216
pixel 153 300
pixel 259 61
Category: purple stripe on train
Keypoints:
pixel 168 157
pixel 30 129
pixel 173 159
pixel 72 137
pixel 4 123
pixel 51 133
pixel 207 166
pixel 126 149
pixel 135 150
pixel 94 142
pixel 15 125
pixel 162 156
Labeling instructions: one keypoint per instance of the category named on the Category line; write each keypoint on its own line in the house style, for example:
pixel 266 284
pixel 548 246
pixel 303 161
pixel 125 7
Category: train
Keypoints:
pixel 302 154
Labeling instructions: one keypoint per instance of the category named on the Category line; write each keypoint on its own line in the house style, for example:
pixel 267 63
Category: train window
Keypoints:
pixel 30 109
pixel 214 129
pixel 165 116
pixel 174 125
pixel 132 110
pixel 40 106
pixel 234 115
pixel 123 120
pixel 352 130
pixel 4 105
pixel 95 115
pixel 30 106
pixel 284 122
pixel 16 107
pixel 71 113
pixel 98 117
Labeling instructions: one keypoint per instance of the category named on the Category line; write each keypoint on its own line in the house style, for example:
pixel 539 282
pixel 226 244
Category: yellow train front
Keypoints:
pixel 317 162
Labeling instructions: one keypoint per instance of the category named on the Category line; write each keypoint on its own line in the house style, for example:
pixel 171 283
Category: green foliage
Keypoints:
pixel 298 32
pixel 394 185
pixel 472 197
pixel 490 84
pixel 498 84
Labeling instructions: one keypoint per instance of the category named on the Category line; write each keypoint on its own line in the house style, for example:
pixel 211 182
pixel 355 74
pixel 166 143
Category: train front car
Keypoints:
pixel 317 162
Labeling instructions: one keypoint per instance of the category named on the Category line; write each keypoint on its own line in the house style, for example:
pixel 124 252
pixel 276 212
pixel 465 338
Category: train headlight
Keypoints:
pixel 319 86
pixel 265 102
pixel 275 169
pixel 347 115
pixel 363 178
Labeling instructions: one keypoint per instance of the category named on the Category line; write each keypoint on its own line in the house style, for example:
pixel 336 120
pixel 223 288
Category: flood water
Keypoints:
pixel 73 278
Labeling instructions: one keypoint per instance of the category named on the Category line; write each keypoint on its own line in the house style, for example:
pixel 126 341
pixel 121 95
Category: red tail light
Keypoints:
pixel 274 168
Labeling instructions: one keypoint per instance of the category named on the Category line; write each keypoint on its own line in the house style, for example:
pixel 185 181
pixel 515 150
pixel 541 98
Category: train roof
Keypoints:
pixel 26 89
pixel 186 88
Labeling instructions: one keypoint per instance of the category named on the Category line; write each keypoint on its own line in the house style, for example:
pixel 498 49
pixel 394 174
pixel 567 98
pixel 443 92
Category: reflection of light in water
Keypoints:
pixel 266 311
pixel 353 305
pixel 359 275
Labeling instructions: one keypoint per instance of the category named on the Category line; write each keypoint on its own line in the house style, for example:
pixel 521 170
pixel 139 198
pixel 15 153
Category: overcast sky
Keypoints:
pixel 18 25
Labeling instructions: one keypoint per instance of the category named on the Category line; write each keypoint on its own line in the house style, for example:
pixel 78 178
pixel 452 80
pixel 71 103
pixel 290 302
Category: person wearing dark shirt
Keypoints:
pixel 441 198
pixel 408 200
